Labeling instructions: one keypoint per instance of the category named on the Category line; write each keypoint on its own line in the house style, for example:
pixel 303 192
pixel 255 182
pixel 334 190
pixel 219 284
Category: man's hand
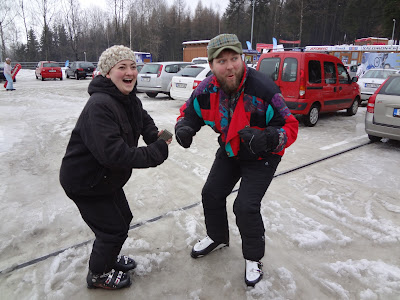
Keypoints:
pixel 184 136
pixel 258 141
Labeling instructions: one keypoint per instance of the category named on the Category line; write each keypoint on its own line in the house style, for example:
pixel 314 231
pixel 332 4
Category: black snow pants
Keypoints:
pixel 256 177
pixel 109 218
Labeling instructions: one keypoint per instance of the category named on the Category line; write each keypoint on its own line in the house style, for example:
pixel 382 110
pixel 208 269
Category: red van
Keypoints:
pixel 312 83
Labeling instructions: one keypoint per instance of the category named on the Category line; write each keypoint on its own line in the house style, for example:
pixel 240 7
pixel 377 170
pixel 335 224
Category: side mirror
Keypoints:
pixel 354 79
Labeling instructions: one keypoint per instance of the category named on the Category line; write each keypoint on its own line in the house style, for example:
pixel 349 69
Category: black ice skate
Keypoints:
pixel 112 280
pixel 124 263
pixel 253 272
pixel 205 246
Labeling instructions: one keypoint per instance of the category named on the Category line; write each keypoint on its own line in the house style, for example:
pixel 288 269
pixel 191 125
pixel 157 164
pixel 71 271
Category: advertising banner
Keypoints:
pixel 378 60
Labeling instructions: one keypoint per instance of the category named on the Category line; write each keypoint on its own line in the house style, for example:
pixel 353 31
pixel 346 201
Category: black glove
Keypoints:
pixel 260 140
pixel 184 136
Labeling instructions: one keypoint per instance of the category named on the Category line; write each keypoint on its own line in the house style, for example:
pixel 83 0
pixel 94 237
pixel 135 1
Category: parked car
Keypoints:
pixel 372 79
pixel 200 60
pixel 352 70
pixel 79 69
pixel 95 73
pixel 156 78
pixel 2 77
pixel 187 79
pixel 311 83
pixel 48 69
pixel 382 119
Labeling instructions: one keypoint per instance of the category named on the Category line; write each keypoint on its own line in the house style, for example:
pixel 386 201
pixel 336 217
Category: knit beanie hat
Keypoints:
pixel 113 55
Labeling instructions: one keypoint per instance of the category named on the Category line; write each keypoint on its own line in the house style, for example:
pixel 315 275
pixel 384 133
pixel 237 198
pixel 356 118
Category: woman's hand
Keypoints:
pixel 167 141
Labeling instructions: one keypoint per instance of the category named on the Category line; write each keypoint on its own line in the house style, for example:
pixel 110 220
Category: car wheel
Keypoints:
pixel 373 138
pixel 76 76
pixel 312 117
pixel 152 95
pixel 61 78
pixel 42 77
pixel 36 76
pixel 352 110
pixel 66 75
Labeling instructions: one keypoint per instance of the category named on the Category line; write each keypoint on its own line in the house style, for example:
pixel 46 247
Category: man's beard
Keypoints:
pixel 229 89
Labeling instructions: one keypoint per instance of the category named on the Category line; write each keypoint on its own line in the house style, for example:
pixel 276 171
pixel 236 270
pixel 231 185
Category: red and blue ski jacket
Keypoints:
pixel 258 103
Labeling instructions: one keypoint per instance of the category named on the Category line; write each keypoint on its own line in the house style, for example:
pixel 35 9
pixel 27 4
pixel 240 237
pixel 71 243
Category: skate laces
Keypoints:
pixel 110 276
pixel 257 269
pixel 126 259
pixel 207 240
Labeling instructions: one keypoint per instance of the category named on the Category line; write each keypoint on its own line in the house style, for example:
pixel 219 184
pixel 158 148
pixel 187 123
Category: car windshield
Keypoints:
pixel 199 61
pixel 190 71
pixel 86 65
pixel 378 74
pixel 139 67
pixel 50 65
pixel 270 67
pixel 392 86
pixel 150 69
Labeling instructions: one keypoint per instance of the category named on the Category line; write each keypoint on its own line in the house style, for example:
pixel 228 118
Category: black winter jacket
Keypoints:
pixel 103 146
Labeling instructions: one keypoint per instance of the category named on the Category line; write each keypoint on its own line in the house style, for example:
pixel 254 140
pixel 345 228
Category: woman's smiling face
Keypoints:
pixel 124 75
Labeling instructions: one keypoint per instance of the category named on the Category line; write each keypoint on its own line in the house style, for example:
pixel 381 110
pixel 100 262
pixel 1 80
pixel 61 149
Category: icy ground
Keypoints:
pixel 332 228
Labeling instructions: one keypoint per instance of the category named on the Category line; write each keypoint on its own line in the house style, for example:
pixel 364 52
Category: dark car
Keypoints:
pixel 79 69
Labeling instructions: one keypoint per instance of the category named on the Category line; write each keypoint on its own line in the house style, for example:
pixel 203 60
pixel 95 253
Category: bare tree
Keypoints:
pixel 22 14
pixel 46 12
pixel 72 10
pixel 7 15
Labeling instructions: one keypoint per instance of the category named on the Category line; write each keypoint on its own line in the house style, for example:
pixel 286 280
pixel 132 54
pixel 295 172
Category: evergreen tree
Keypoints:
pixel 32 47
pixel 46 42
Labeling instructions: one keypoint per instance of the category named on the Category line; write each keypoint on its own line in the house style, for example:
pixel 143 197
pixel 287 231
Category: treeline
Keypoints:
pixel 61 29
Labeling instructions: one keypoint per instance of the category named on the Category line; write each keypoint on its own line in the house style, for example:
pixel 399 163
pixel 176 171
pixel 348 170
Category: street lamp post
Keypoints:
pixel 252 23
pixel 84 52
pixel 394 25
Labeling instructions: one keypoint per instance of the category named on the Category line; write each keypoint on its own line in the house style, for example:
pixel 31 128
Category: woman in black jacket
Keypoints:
pixel 102 151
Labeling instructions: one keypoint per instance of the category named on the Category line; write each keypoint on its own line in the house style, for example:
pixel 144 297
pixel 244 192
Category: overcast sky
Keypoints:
pixel 221 5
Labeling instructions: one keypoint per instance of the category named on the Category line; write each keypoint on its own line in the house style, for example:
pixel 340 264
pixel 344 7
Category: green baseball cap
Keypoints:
pixel 222 42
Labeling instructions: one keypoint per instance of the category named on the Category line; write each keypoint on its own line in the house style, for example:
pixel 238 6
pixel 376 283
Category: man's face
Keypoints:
pixel 228 69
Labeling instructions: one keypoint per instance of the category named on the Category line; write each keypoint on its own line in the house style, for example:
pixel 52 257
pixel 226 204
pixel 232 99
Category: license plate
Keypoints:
pixel 146 79
pixel 181 85
pixel 52 71
pixel 396 112
pixel 372 85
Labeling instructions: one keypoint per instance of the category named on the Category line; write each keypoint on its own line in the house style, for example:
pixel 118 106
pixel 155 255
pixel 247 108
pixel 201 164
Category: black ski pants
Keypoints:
pixel 109 218
pixel 256 177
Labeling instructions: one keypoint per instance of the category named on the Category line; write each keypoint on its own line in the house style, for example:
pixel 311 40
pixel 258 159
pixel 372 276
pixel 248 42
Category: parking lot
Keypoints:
pixel 332 214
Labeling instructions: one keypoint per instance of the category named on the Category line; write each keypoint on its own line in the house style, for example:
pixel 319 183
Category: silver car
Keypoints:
pixel 382 119
pixel 156 77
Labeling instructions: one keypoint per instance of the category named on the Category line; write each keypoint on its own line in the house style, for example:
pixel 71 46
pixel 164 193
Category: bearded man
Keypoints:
pixel 247 110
